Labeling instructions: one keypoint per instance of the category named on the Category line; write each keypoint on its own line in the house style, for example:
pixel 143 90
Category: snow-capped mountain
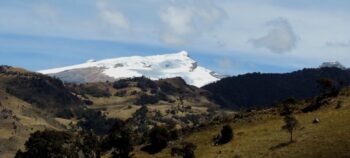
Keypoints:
pixel 335 64
pixel 154 67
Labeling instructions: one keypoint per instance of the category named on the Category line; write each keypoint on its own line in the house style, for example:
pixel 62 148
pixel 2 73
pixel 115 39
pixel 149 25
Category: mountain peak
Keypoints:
pixel 90 61
pixel 154 67
pixel 183 53
pixel 333 64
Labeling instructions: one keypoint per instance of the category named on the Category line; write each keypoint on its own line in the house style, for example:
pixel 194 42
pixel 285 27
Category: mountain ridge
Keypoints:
pixel 265 89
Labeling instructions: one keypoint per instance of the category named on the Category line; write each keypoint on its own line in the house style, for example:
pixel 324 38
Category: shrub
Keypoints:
pixel 168 88
pixel 158 138
pixel 225 136
pixel 120 93
pixel 49 144
pixel 120 84
pixel 89 144
pixel 96 121
pixel 65 113
pixel 187 150
pixel 95 91
pixel 145 83
pixel 118 141
pixel 146 99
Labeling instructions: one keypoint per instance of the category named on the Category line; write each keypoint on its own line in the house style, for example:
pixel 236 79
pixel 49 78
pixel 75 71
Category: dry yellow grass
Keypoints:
pixel 27 121
pixel 329 138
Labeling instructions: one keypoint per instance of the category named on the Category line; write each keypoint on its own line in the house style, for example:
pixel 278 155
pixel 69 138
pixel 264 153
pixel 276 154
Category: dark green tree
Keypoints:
pixel 89 143
pixel 288 106
pixel 158 138
pixel 119 141
pixel 49 144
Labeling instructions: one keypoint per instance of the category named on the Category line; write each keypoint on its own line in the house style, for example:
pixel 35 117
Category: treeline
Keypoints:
pixel 263 90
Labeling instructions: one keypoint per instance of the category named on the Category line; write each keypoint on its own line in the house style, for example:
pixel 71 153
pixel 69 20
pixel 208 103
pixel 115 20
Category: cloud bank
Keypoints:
pixel 112 16
pixel 183 20
pixel 280 39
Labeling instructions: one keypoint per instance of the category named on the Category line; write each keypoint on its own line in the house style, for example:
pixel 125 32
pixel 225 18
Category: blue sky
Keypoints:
pixel 227 36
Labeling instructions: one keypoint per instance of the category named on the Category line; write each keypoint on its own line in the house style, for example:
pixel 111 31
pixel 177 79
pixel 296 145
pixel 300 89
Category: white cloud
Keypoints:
pixel 113 17
pixel 187 20
pixel 281 38
pixel 178 20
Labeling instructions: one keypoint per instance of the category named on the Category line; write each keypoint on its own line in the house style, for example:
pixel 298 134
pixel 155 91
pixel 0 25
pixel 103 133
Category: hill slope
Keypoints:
pixel 262 90
pixel 29 102
pixel 263 137
pixel 171 98
pixel 40 90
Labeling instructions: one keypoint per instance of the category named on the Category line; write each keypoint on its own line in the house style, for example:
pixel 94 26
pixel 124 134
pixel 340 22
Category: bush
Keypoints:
pixel 145 83
pixel 187 150
pixel 95 91
pixel 120 93
pixel 146 99
pixel 49 144
pixel 225 136
pixel 158 139
pixel 65 113
pixel 168 88
pixel 119 141
pixel 96 121
pixel 89 144
pixel 120 84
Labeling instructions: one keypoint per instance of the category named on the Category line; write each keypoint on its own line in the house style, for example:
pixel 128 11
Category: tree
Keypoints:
pixel 158 139
pixel 291 123
pixel 55 144
pixel 89 143
pixel 119 141
pixel 288 106
pixel 49 144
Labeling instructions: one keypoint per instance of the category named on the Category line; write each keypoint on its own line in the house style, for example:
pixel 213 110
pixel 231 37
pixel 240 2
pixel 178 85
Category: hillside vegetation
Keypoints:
pixel 265 89
pixel 30 102
pixel 261 135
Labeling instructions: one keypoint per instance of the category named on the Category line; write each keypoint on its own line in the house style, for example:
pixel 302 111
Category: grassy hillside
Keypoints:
pixel 39 90
pixel 18 119
pixel 263 136
pixel 26 107
pixel 121 99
